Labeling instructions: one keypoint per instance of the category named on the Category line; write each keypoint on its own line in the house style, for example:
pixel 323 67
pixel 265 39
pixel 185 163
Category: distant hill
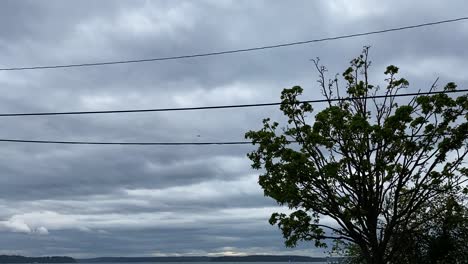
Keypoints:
pixel 252 258
pixel 144 259
pixel 21 259
pixel 267 258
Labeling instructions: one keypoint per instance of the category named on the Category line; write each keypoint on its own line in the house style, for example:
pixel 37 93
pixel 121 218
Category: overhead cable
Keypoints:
pixel 215 53
pixel 219 106
pixel 64 142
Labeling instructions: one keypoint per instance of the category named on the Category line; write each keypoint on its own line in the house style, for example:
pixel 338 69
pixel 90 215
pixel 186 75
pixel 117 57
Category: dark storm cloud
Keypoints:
pixel 71 172
pixel 94 201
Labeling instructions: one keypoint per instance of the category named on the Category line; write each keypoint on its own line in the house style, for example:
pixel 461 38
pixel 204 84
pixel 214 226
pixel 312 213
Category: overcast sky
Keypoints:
pixel 87 201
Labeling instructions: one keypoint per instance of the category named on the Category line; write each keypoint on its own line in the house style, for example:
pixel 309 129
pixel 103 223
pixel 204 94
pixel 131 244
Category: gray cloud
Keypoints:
pixel 101 200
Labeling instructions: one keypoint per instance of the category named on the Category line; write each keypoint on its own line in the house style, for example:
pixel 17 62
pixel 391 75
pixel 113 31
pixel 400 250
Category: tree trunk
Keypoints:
pixel 376 257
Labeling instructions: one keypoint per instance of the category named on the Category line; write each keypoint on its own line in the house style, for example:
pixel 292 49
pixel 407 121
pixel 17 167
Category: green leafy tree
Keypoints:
pixel 443 239
pixel 375 166
pixel 448 242
pixel 440 240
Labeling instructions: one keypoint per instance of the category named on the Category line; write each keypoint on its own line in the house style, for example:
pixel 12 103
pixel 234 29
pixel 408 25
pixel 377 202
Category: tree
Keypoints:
pixel 448 241
pixel 374 165
pixel 443 239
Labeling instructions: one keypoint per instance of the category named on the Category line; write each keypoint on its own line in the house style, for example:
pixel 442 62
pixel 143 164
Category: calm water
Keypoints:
pixel 208 263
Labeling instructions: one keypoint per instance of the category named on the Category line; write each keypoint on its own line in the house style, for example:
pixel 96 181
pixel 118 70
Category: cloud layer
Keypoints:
pixel 186 200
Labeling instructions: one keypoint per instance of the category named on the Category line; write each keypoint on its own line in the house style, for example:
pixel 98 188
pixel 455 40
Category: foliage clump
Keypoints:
pixel 381 168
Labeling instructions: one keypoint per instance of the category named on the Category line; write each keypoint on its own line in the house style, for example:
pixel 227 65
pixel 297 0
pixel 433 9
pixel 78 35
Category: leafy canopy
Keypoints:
pixel 374 166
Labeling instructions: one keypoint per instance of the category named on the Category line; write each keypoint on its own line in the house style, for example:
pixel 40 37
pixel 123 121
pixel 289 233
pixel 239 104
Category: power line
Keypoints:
pixel 125 143
pixel 217 106
pixel 62 142
pixel 236 50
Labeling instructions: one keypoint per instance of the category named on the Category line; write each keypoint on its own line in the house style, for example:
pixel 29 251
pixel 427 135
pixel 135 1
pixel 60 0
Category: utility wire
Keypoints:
pixel 237 50
pixel 195 143
pixel 125 143
pixel 149 143
pixel 219 106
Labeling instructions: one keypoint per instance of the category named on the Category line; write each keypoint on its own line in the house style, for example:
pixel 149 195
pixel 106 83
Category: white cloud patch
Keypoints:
pixel 44 221
pixel 15 225
pixel 205 191
pixel 357 9
pixel 38 222
pixel 151 19
pixel 19 225
pixel 42 231
pixel 448 68
pixel 228 94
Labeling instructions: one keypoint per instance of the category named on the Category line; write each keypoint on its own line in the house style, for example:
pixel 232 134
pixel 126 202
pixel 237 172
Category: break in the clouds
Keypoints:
pixel 181 200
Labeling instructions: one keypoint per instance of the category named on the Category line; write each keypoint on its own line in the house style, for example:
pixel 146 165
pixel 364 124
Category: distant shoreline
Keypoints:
pixel 249 258
pixel 21 259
